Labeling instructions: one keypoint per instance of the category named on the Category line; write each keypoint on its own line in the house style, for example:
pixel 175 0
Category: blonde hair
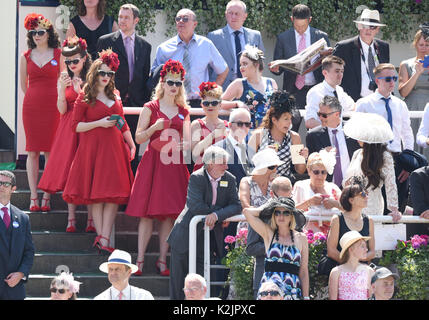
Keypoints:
pixel 214 93
pixel 179 99
pixel 274 226
pixel 314 159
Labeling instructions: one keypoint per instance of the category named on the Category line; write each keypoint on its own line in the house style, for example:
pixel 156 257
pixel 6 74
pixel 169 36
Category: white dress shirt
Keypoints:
pixel 344 153
pixel 316 94
pixel 129 293
pixel 400 119
pixel 236 147
pixel 423 133
pixel 364 67
pixel 309 77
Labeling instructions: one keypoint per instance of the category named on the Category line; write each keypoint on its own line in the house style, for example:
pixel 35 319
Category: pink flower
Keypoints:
pixel 229 239
pixel 242 233
pixel 320 236
pixel 310 241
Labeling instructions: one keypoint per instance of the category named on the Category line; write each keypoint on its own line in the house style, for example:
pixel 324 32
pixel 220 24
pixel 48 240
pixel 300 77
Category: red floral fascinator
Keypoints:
pixel 73 45
pixel 33 20
pixel 173 67
pixel 110 59
pixel 210 89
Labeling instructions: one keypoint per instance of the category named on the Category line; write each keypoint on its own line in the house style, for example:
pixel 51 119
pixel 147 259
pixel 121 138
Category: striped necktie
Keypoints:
pixel 187 66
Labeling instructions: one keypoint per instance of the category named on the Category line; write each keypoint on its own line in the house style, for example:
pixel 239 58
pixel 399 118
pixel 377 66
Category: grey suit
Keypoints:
pixel 222 40
pixel 198 202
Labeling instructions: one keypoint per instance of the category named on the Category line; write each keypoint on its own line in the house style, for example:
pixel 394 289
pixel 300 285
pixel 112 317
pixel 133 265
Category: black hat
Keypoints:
pixel 286 203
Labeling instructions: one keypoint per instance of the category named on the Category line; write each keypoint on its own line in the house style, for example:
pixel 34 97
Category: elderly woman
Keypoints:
pixel 64 287
pixel 253 90
pixel 279 223
pixel 269 291
pixel 316 196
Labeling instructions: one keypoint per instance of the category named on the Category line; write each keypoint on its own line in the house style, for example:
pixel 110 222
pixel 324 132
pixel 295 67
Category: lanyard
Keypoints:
pixel 363 56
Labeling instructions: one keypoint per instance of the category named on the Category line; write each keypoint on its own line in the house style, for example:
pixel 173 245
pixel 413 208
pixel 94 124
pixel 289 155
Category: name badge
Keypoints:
pixel 181 116
pixel 223 184
pixel 54 62
pixel 15 224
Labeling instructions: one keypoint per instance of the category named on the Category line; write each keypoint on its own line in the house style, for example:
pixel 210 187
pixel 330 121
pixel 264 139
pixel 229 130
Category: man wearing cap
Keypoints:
pixel 383 284
pixel 362 54
pixel 119 269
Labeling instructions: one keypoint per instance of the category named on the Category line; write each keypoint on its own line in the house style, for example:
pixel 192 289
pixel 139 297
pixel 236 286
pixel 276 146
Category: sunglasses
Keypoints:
pixel 184 19
pixel 272 293
pixel 39 33
pixel 325 115
pixel 214 103
pixel 369 27
pixel 176 83
pixel 282 212
pixel 60 291
pixel 241 124
pixel 5 183
pixel 271 167
pixel 106 73
pixel 69 62
pixel 388 79
pixel 317 172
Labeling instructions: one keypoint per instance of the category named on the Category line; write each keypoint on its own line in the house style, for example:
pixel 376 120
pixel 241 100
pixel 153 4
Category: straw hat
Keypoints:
pixel 263 159
pixel 370 18
pixel 119 257
pixel 368 128
pixel 348 239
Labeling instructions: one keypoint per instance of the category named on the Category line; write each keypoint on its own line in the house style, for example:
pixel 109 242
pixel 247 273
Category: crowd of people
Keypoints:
pixel 359 158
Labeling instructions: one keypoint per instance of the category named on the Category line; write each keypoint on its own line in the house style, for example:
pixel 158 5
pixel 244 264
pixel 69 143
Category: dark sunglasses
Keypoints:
pixel 60 291
pixel 241 124
pixel 317 172
pixel 5 183
pixel 69 62
pixel 282 212
pixel 369 27
pixel 39 33
pixel 272 293
pixel 388 79
pixel 176 83
pixel 106 73
pixel 184 19
pixel 271 167
pixel 207 103
pixel 325 115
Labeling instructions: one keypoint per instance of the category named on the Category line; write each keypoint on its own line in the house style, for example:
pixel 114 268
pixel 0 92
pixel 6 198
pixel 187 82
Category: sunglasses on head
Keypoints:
pixel 241 124
pixel 388 79
pixel 184 19
pixel 325 115
pixel 39 33
pixel 364 194
pixel 317 172
pixel 207 103
pixel 272 293
pixel 74 61
pixel 5 183
pixel 106 73
pixel 278 212
pixel 176 83
pixel 60 291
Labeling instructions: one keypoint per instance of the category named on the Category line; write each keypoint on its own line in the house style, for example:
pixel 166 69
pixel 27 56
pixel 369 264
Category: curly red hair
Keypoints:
pixel 172 66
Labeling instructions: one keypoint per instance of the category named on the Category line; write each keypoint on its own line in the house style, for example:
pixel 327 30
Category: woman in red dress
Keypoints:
pixel 159 190
pixel 77 61
pixel 210 129
pixel 39 71
pixel 100 175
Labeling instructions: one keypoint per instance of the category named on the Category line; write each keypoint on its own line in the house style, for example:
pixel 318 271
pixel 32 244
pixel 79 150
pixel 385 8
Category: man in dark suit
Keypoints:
pixel 288 44
pixel 361 55
pixel 212 191
pixel 331 134
pixel 16 244
pixel 419 192
pixel 134 57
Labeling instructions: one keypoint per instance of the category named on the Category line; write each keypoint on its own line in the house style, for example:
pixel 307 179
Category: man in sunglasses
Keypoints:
pixel 16 244
pixel 362 54
pixel 395 111
pixel 195 52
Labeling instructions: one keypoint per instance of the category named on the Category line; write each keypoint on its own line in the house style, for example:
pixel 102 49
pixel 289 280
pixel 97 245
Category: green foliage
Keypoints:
pixel 316 249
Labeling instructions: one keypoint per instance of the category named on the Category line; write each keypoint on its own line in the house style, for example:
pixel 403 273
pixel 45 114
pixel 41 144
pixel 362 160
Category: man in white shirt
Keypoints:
pixel 119 269
pixel 332 70
pixel 395 111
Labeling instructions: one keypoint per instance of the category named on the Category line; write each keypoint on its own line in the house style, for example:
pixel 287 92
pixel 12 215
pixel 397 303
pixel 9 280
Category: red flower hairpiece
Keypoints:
pixel 33 20
pixel 110 59
pixel 75 41
pixel 206 87
pixel 174 67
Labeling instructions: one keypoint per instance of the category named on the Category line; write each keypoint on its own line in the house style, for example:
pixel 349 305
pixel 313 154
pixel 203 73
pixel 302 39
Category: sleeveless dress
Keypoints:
pixel 262 106
pixel 282 267
pixel 344 228
pixel 100 171
pixel 353 285
pixel 40 115
pixel 159 190
pixel 63 150
pixel 204 133
pixel 91 36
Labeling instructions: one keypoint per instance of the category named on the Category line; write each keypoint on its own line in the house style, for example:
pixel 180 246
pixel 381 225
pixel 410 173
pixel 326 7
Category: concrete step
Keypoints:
pixel 7 156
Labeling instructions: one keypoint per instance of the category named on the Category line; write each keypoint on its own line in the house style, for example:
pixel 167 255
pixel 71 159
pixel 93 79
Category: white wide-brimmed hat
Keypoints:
pixel 348 239
pixel 368 128
pixel 263 159
pixel 370 18
pixel 119 257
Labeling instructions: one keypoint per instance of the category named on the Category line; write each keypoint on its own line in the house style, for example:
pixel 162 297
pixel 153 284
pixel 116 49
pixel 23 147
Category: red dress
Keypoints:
pixel 159 190
pixel 204 133
pixel 40 115
pixel 63 150
pixel 100 171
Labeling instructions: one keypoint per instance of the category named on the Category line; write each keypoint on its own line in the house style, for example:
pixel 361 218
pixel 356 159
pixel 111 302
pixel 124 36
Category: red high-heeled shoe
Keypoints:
pixel 139 272
pixel 166 271
pixel 105 248
pixel 35 207
pixel 97 242
pixel 89 227
pixel 46 205
pixel 72 227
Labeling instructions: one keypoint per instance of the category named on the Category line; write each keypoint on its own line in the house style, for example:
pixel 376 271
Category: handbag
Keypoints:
pixel 325 265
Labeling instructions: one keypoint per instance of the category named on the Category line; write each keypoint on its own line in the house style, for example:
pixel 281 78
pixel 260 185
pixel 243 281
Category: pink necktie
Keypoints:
pixel 300 79
pixel 6 217
pixel 214 191
pixel 130 56
pixel 120 295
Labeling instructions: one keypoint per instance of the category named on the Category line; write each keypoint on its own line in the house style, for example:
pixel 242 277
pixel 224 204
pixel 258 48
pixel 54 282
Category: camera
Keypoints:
pixel 372 85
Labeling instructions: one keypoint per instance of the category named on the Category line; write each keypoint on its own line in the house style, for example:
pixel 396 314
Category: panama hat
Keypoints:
pixel 348 239
pixel 119 257
pixel 368 128
pixel 286 203
pixel 370 18
pixel 263 159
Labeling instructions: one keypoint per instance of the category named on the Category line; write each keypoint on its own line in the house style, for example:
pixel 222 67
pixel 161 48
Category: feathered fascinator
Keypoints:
pixel 110 59
pixel 173 67
pixel 325 158
pixel 282 100
pixel 253 52
pixel 73 45
pixel 68 280
pixel 210 89
pixel 34 20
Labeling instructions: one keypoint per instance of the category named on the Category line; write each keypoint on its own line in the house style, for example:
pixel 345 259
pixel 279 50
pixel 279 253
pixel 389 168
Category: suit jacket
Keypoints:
pixel 349 50
pixel 318 138
pixel 419 190
pixel 16 253
pixel 222 40
pixel 198 202
pixel 286 48
pixel 136 92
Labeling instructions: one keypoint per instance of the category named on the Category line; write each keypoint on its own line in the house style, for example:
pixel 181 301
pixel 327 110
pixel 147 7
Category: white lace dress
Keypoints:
pixel 375 197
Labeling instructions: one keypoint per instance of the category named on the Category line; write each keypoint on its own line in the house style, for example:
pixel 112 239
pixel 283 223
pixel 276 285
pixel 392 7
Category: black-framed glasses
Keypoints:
pixel 174 83
pixel 317 172
pixel 40 33
pixel 184 19
pixel 60 291
pixel 325 115
pixel 5 183
pixel 74 61
pixel 278 212
pixel 388 79
pixel 273 293
pixel 106 73
pixel 241 124
pixel 207 103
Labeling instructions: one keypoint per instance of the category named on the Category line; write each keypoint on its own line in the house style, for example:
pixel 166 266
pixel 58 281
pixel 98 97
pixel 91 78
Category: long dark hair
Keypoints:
pixel 372 162
pixel 101 7
pixel 85 67
pixel 53 39
pixel 91 89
